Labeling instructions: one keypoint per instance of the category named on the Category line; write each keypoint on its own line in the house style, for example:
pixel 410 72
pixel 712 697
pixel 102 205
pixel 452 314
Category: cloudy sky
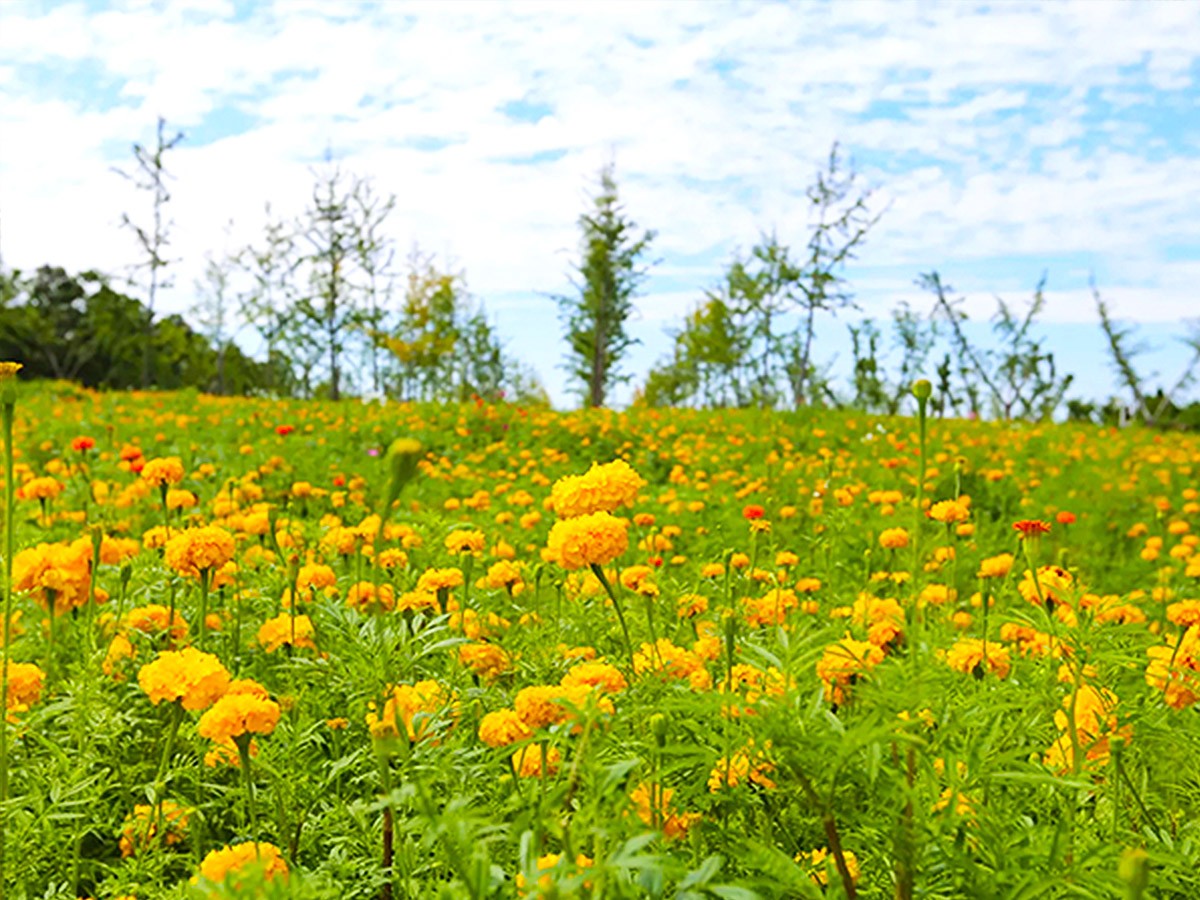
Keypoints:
pixel 1003 141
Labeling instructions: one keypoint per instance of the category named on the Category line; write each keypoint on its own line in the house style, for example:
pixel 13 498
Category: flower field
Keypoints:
pixel 341 650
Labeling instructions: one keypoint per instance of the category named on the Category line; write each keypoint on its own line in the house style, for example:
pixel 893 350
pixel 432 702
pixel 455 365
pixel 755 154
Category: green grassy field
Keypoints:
pixel 765 659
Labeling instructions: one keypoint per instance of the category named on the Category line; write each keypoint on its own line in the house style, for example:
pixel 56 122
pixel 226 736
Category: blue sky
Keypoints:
pixel 1003 140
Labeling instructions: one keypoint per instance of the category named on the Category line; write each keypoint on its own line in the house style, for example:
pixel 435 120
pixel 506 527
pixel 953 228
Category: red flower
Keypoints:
pixel 339 481
pixel 656 561
pixel 753 511
pixel 284 430
pixel 82 444
pixel 1031 527
pixel 136 465
pixel 1065 518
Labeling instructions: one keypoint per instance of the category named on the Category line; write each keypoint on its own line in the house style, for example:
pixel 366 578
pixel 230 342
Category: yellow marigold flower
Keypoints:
pixel 653 807
pixel 316 577
pixel 503 574
pixel 118 649
pixel 25 682
pixel 152 620
pixel 1055 584
pixel 239 714
pixel 746 766
pixel 846 660
pixel 180 499
pixel 893 538
pixel 465 541
pixel 949 511
pixel 413 707
pixel 603 488
pixel 528 762
pixel 295 631
pixel 1185 613
pixel 367 598
pixel 194 678
pixel 712 570
pixel 59 570
pixel 223 866
pixel 140 830
pixel 688 606
pixel 197 550
pixel 673 662
pixel 996 566
pixel 393 558
pixel 503 727
pixel 160 472
pixel 545 864
pixel 591 539
pixel 967 656
pixel 1174 669
pixel 488 661
pixel 600 675
pixel 821 864
pixel 301 489
pixel 434 580
pixel 44 488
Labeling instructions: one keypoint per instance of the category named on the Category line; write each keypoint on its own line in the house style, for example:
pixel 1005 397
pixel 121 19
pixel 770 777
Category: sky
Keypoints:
pixel 1001 141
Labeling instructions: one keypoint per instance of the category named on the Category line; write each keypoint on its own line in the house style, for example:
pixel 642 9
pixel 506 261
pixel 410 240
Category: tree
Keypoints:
pixel 374 254
pixel 151 175
pixel 843 219
pixel 328 311
pixel 268 303
pixel 606 280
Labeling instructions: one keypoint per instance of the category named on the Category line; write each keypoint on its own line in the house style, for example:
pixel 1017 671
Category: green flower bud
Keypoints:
pixel 658 728
pixel 402 457
pixel 1134 869
pixel 922 389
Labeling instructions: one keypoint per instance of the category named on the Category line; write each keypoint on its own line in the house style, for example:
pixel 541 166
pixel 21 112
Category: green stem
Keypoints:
pixel 598 571
pixel 243 745
pixel 6 416
pixel 204 577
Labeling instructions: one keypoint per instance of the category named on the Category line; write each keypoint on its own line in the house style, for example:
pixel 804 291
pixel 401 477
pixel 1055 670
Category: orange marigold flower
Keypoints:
pixel 1031 527
pixel 238 714
pixel 197 550
pixel 503 727
pixel 969 657
pixel 893 538
pixel 194 678
pixel 295 631
pixel 593 539
pixel 603 488
pixel 160 472
pixel 25 682
pixel 140 830
pixel 949 511
pixel 412 707
pixel 223 866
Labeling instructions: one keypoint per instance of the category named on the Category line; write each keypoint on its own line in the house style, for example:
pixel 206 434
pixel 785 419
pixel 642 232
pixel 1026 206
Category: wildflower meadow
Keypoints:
pixel 318 649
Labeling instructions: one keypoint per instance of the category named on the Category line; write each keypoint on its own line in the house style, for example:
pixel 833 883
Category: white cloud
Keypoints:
pixel 984 128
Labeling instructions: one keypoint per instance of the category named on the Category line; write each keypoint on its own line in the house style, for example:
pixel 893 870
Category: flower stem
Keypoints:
pixel 6 421
pixel 598 571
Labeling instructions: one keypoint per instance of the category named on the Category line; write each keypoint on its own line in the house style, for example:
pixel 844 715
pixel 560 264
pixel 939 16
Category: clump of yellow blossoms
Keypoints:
pixel 238 714
pixel 25 682
pixel 603 488
pixel 162 472
pixel 412 707
pixel 194 678
pixel 969 657
pixel 221 866
pixel 140 830
pixel 284 629
pixel 594 539
pixel 844 662
pixel 61 571
pixel 197 550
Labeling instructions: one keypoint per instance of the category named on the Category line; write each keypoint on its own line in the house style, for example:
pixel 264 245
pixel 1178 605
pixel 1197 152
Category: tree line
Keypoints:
pixel 331 310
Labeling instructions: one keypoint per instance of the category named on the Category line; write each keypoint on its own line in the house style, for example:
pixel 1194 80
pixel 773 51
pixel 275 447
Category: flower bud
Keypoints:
pixel 922 389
